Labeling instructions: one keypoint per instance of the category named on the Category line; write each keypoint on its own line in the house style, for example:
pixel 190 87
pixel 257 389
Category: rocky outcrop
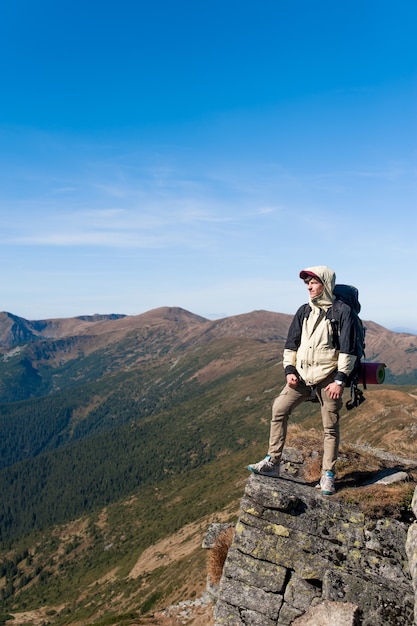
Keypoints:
pixel 411 548
pixel 330 614
pixel 296 554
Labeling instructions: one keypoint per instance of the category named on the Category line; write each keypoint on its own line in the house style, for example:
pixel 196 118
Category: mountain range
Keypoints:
pixel 119 431
pixel 41 350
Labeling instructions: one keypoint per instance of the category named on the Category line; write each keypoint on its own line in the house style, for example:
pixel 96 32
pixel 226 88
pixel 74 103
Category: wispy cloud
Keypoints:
pixel 103 239
pixel 180 222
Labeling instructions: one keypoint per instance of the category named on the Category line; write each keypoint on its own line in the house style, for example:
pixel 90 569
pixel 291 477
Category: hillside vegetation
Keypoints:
pixel 119 432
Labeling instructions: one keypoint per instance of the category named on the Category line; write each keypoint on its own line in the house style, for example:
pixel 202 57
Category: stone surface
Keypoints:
pixel 388 477
pixel 381 602
pixel 330 614
pixel 411 549
pixel 414 503
pixel 212 532
pixel 295 550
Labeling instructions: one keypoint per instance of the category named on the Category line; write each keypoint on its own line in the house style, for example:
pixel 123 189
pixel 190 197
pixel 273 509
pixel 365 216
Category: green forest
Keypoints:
pixel 72 451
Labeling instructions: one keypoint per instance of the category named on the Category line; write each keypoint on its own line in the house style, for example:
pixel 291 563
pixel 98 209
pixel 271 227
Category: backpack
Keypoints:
pixel 350 296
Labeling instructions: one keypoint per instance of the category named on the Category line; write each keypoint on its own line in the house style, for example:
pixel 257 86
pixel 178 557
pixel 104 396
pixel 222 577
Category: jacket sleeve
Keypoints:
pixel 293 341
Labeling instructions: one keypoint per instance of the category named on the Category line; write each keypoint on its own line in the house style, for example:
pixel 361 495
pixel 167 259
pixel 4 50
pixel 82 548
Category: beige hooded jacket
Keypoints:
pixel 309 349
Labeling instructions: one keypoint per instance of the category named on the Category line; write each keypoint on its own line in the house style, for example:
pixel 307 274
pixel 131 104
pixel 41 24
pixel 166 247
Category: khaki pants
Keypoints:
pixel 288 400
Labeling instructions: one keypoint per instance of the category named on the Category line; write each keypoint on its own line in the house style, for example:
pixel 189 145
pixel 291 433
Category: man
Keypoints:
pixel 314 367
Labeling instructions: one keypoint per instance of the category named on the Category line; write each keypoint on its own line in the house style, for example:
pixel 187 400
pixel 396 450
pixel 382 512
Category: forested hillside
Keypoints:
pixel 77 451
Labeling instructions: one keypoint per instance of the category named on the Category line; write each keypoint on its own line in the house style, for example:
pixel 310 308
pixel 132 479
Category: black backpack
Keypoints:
pixel 350 296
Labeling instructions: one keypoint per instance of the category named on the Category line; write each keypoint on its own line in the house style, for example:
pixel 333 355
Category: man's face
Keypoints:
pixel 314 286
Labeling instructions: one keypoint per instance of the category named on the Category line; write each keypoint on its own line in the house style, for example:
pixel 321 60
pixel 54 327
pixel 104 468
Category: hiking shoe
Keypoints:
pixel 327 484
pixel 265 467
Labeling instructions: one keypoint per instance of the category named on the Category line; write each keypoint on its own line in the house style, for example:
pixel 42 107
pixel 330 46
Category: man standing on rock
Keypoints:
pixel 315 369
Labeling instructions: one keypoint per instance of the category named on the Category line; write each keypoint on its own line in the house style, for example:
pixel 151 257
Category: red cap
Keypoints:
pixel 306 273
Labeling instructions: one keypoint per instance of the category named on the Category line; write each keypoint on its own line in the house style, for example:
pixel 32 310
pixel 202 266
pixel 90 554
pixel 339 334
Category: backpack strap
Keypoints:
pixel 356 397
pixel 333 315
pixel 306 310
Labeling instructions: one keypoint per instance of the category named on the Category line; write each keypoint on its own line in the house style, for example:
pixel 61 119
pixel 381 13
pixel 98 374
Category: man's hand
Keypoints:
pixel 292 381
pixel 334 391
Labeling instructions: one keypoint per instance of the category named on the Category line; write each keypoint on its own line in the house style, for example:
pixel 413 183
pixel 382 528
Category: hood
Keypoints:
pixel 328 278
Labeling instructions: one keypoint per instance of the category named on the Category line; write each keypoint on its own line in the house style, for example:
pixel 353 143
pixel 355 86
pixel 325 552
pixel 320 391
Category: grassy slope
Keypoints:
pixel 86 564
pixel 386 420
pixel 144 552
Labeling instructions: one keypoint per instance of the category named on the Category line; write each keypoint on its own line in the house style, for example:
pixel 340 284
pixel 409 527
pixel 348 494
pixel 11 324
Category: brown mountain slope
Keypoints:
pixel 15 329
pixel 179 328
pixel 397 350
pixel 387 420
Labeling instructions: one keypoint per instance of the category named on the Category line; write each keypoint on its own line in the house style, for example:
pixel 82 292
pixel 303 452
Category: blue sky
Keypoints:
pixel 200 153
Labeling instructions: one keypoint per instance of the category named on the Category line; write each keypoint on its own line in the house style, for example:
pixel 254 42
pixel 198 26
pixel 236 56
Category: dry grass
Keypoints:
pixel 376 501
pixel 354 468
pixel 217 555
pixel 310 444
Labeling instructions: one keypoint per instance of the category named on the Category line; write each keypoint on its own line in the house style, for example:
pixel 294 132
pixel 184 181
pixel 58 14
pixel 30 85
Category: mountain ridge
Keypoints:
pixel 53 343
pixel 54 328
